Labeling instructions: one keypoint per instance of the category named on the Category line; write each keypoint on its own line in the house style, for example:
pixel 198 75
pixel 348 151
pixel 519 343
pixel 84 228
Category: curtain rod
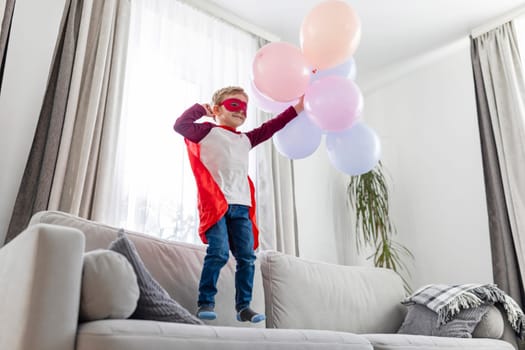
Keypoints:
pixel 216 11
pixel 496 22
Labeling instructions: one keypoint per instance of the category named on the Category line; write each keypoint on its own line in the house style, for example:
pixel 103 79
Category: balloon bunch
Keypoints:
pixel 323 70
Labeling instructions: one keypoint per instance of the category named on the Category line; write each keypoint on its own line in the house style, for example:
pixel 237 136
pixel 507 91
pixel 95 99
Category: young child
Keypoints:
pixel 219 159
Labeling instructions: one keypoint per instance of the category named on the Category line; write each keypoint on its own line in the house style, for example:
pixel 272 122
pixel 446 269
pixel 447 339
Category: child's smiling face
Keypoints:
pixel 233 112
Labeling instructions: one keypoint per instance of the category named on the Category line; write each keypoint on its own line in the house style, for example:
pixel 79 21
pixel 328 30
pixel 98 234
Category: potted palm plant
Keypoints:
pixel 369 200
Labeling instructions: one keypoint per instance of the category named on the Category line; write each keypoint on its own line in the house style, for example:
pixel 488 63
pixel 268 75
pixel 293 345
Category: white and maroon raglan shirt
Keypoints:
pixel 219 159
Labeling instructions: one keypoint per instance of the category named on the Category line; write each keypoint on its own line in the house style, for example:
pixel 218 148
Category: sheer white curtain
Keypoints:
pixel 177 56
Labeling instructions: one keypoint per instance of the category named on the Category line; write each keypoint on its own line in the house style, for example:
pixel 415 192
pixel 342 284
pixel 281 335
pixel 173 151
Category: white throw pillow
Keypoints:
pixel 154 303
pixel 109 286
pixel 492 324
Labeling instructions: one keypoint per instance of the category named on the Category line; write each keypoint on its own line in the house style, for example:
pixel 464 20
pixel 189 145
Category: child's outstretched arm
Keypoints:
pixel 267 129
pixel 186 126
pixel 299 107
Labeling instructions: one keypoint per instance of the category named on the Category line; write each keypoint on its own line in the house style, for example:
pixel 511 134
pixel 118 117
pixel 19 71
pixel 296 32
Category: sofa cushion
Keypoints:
pixel 154 302
pixel 423 342
pixel 301 293
pixel 140 335
pixel 109 286
pixel 175 265
pixel 420 320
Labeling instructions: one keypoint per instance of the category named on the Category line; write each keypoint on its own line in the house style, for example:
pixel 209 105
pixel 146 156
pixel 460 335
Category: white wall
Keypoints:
pixel 424 111
pixel 325 231
pixel 32 42
pixel 427 121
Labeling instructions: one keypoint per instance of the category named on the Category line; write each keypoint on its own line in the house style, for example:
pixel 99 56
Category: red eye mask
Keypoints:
pixel 234 105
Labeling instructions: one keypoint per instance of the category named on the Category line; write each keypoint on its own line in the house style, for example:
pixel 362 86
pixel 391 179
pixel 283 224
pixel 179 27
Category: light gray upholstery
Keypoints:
pixel 315 305
pixel 40 273
pixel 309 294
pixel 423 342
pixel 175 265
pixel 140 335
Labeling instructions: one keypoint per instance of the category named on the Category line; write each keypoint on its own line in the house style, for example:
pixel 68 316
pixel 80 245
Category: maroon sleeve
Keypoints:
pixel 186 126
pixel 267 129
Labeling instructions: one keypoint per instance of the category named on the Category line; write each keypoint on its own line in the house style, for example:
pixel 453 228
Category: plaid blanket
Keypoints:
pixel 448 300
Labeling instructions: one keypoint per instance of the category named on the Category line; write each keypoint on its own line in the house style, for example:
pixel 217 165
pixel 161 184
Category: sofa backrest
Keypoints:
pixel 175 265
pixel 314 295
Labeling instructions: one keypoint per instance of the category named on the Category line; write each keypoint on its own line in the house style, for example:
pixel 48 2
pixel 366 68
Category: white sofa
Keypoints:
pixel 309 305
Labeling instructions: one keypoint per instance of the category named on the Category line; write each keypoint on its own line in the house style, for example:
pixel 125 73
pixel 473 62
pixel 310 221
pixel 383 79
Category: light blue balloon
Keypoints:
pixel 346 70
pixel 299 138
pixel 355 150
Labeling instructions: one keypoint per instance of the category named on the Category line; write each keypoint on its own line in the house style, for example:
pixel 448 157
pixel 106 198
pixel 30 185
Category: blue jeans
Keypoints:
pixel 232 232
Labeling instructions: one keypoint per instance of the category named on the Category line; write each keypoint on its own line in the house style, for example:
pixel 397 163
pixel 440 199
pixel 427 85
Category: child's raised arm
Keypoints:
pixel 186 126
pixel 267 129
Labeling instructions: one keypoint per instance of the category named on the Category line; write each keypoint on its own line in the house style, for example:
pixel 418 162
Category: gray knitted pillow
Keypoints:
pixel 154 301
pixel 420 320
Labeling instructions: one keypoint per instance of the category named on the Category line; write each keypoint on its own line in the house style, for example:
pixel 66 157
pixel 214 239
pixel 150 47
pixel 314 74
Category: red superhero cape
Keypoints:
pixel 211 202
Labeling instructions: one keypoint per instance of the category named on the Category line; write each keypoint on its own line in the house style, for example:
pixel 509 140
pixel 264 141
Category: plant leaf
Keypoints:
pixel 368 197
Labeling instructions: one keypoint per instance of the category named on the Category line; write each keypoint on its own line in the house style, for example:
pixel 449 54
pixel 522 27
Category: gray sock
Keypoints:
pixel 248 314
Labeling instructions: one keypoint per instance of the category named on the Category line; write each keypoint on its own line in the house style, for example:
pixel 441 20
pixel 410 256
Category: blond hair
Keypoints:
pixel 220 94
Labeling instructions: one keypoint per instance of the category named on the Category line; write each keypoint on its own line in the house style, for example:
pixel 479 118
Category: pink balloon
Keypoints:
pixel 330 34
pixel 333 103
pixel 267 104
pixel 280 71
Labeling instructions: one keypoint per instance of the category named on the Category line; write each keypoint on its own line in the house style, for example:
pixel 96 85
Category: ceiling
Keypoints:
pixel 392 30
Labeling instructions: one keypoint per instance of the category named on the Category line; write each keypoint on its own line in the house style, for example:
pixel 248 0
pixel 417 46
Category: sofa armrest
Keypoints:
pixel 40 274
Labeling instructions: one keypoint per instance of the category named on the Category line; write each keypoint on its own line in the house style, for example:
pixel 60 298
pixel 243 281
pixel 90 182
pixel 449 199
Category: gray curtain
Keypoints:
pixel 5 30
pixel 35 188
pixel 500 98
pixel 70 151
pixel 276 209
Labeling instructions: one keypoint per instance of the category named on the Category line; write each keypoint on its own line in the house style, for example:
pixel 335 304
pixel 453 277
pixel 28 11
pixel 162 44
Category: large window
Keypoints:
pixel 177 56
